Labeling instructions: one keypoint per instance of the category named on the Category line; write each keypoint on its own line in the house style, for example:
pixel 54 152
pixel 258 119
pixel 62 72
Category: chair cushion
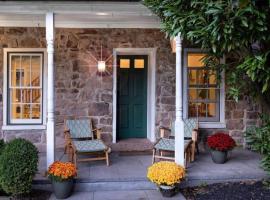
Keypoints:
pixel 89 145
pixel 79 128
pixel 167 144
pixel 189 125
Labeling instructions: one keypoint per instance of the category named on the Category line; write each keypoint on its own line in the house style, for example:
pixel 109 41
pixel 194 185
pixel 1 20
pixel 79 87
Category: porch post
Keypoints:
pixel 179 124
pixel 50 98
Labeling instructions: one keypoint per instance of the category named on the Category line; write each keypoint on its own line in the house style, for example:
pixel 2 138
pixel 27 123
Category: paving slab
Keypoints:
pixel 121 195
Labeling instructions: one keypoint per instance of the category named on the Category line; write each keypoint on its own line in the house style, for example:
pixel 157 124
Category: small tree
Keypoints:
pixel 238 30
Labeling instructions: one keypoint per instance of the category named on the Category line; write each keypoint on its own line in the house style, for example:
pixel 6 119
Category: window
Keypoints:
pixel 203 93
pixel 24 89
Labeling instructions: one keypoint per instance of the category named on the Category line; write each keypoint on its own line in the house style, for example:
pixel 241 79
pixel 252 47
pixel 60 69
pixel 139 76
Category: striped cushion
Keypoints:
pixel 167 144
pixel 79 128
pixel 85 146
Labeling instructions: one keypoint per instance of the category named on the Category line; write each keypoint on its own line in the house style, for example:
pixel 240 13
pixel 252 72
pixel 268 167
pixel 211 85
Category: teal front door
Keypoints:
pixel 131 96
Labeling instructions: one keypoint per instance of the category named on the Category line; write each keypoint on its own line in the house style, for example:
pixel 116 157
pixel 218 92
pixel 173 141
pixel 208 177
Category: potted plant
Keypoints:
pixel 220 144
pixel 62 176
pixel 166 175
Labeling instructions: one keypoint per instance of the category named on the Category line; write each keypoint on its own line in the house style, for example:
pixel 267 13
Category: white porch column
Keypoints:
pixel 179 124
pixel 50 99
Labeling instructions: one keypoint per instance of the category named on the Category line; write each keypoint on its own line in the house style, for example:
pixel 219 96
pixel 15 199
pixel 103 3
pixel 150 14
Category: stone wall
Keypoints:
pixel 80 91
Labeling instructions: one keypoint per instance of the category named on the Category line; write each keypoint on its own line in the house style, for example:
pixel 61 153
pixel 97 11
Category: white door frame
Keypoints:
pixel 151 87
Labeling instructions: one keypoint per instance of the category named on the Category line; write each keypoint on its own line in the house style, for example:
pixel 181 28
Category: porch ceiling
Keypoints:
pixel 77 14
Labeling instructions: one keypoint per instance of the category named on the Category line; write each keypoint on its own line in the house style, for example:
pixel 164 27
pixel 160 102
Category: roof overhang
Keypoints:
pixel 77 14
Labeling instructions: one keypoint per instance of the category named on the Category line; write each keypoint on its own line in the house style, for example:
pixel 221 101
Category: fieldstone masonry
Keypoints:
pixel 80 91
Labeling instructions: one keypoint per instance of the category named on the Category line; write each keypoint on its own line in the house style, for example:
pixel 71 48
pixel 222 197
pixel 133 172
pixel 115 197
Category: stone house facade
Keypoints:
pixel 80 91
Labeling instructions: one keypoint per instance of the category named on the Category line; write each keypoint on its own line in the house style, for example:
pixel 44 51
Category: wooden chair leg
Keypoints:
pixel 107 158
pixel 75 159
pixel 154 154
pixel 193 148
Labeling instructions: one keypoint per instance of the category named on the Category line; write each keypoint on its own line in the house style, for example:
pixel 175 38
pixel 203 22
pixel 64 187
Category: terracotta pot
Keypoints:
pixel 63 190
pixel 219 157
pixel 167 191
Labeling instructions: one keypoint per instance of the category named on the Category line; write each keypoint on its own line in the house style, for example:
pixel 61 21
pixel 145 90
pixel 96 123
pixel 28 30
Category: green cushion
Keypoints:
pixel 85 146
pixel 79 128
pixel 167 144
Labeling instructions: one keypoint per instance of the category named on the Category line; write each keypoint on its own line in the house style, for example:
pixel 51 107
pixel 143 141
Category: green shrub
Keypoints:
pixel 258 138
pixel 2 146
pixel 18 166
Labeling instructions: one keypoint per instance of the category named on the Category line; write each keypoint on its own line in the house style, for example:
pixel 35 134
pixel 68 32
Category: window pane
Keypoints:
pixel 35 70
pixel 15 70
pixel 192 77
pixel 195 59
pixel 15 111
pixel 212 94
pixel 192 110
pixel 36 95
pixel 201 110
pixel 124 63
pixel 25 71
pixel 15 95
pixel 202 94
pixel 139 63
pixel 212 77
pixel 36 111
pixel 26 95
pixel 192 94
pixel 202 77
pixel 211 108
pixel 26 111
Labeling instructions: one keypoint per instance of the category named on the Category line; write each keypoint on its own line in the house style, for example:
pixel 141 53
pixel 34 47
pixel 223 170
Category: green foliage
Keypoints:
pixel 259 140
pixel 2 146
pixel 18 166
pixel 230 28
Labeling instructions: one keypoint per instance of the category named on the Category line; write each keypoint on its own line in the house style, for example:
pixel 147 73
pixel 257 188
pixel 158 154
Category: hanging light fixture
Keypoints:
pixel 101 66
pixel 101 63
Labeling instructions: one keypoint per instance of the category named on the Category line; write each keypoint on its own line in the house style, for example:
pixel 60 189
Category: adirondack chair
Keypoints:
pixel 167 144
pixel 82 139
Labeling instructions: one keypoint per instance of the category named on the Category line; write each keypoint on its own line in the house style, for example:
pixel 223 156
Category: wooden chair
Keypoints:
pixel 82 139
pixel 166 145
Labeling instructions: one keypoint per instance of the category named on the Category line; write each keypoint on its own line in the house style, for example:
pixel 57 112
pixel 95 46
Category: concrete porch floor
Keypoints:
pixel 129 172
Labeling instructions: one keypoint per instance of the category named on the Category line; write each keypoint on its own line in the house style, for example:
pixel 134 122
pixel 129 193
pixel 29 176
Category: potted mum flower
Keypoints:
pixel 166 175
pixel 62 176
pixel 220 144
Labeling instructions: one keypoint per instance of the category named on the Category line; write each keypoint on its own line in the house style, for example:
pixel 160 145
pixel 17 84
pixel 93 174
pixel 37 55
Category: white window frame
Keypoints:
pixel 35 124
pixel 215 124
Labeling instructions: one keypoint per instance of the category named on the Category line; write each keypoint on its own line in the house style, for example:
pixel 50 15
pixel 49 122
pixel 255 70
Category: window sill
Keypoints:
pixel 23 127
pixel 212 125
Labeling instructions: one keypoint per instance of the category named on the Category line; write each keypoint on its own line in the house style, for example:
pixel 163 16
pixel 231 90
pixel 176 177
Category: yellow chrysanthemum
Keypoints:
pixel 165 173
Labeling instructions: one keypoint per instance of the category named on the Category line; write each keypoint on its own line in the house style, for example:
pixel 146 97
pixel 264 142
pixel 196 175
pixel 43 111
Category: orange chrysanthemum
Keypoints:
pixel 62 170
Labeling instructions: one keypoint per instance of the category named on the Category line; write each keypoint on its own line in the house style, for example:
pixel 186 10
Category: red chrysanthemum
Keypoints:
pixel 220 142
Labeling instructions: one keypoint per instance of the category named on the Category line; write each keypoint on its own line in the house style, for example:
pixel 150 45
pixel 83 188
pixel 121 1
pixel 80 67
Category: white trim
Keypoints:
pixel 151 87
pixel 221 123
pixel 5 126
pixel 78 14
pixel 23 127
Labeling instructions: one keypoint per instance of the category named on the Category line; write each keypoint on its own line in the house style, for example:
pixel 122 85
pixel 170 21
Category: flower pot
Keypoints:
pixel 219 157
pixel 167 191
pixel 62 190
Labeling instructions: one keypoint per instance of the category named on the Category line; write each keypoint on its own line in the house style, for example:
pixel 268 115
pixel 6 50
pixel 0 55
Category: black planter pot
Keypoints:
pixel 167 191
pixel 62 190
pixel 219 157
